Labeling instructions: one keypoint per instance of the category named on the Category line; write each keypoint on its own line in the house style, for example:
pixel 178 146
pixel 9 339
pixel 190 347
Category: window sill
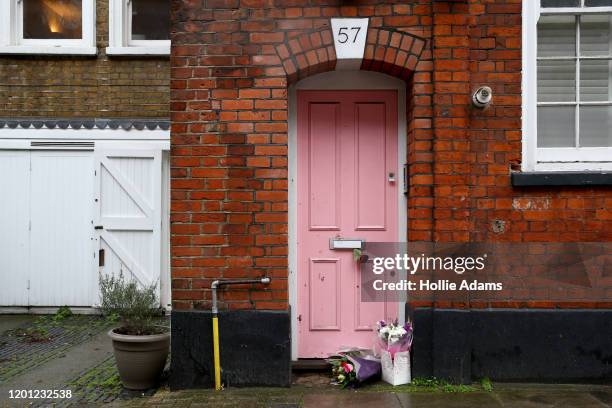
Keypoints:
pixel 135 51
pixel 47 50
pixel 569 178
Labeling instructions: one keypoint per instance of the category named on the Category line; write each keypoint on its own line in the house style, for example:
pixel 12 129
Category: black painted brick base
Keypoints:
pixel 513 345
pixel 255 349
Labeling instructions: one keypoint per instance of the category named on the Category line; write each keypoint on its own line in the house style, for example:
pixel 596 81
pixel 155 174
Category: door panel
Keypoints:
pixel 128 214
pixel 61 235
pixel 370 166
pixel 325 287
pixel 14 227
pixel 347 148
pixel 323 168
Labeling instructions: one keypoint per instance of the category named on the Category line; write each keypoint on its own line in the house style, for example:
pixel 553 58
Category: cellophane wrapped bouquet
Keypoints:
pixel 352 366
pixel 395 341
pixel 394 337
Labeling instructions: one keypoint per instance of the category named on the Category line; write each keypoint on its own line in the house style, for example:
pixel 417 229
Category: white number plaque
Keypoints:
pixel 349 39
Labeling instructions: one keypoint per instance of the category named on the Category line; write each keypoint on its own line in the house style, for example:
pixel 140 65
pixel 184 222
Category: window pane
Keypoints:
pixel 556 81
pixel 560 3
pixel 556 36
pixel 595 129
pixel 52 19
pixel 595 80
pixel 150 19
pixel 595 35
pixel 598 3
pixel 556 126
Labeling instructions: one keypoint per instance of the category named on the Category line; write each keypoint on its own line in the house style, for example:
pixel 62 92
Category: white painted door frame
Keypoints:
pixel 108 139
pixel 339 80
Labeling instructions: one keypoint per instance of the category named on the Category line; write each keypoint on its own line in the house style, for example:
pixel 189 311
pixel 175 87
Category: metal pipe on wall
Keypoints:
pixel 215 319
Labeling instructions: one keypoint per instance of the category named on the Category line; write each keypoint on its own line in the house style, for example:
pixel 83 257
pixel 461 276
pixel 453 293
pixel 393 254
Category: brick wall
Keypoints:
pixel 230 73
pixel 69 86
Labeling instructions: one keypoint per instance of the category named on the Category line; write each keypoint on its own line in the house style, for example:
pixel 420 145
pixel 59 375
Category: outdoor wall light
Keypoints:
pixel 482 97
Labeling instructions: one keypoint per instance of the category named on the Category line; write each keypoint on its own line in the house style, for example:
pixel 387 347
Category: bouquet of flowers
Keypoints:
pixel 343 371
pixel 394 338
pixel 350 367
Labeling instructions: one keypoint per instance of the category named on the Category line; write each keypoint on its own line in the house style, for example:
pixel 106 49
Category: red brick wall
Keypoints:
pixel 232 61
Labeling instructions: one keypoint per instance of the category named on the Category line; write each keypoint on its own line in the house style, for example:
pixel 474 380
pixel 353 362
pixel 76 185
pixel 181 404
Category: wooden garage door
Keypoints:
pixel 46 236
pixel 52 202
pixel 14 227
pixel 128 213
pixel 61 234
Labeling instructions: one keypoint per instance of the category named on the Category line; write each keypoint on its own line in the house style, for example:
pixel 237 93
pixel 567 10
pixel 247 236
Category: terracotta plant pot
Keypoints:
pixel 140 359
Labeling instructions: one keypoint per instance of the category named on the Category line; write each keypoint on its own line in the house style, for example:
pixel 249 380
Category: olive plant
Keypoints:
pixel 134 306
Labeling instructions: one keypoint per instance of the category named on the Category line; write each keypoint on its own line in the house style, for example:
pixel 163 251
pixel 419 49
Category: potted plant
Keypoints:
pixel 140 345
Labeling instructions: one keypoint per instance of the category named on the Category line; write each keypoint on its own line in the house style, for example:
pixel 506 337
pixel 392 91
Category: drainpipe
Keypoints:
pixel 215 319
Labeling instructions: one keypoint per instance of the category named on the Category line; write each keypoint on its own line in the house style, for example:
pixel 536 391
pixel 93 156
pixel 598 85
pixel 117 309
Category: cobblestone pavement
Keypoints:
pixel 43 339
pixel 53 353
pixel 502 396
pixel 95 386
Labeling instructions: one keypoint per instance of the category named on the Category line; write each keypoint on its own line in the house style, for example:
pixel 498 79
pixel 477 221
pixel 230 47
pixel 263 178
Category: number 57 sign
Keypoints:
pixel 349 39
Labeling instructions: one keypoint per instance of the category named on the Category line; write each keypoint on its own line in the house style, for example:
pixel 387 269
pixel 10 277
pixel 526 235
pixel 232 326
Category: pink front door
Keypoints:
pixel 347 187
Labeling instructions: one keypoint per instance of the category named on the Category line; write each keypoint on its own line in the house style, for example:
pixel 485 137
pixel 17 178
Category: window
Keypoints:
pixel 139 27
pixel 44 19
pixel 47 27
pixel 567 85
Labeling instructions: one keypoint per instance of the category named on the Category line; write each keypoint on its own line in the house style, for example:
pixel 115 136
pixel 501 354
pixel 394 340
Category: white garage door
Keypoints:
pixel 128 213
pixel 46 237
pixel 61 234
pixel 14 227
pixel 51 203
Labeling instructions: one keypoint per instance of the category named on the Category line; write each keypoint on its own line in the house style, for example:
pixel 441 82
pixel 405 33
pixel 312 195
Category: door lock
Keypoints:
pixel 391 177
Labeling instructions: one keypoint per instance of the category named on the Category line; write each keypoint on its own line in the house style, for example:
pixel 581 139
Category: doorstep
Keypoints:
pixel 310 364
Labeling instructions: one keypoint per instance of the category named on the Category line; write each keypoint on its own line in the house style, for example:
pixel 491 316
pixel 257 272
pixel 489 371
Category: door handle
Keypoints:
pixel 99 227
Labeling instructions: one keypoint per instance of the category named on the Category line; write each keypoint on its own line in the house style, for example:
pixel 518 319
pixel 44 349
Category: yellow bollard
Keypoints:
pixel 217 359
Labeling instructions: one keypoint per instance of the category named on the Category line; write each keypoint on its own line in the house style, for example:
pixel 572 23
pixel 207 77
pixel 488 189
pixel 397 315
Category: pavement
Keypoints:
pixel 51 353
pixel 75 353
pixel 57 373
pixel 502 396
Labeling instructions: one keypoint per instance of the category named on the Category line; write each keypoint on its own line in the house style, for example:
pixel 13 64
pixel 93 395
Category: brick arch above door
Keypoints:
pixel 387 50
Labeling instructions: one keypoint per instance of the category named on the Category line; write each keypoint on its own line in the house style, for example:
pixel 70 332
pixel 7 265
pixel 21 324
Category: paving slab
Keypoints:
pixel 448 400
pixel 553 399
pixel 351 399
pixel 604 396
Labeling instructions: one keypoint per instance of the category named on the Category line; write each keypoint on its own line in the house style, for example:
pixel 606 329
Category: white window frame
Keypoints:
pixel 11 33
pixel 120 33
pixel 551 158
